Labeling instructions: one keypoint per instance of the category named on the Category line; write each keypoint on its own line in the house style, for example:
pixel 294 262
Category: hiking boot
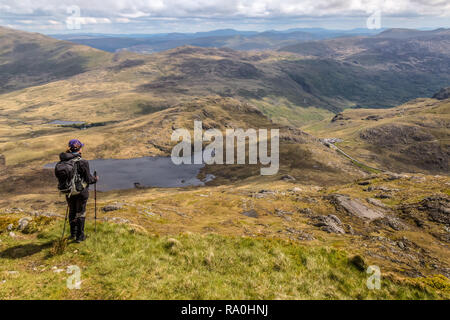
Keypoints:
pixel 80 230
pixel 81 239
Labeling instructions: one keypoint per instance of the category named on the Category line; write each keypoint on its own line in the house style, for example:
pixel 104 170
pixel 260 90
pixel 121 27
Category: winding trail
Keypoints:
pixel 356 161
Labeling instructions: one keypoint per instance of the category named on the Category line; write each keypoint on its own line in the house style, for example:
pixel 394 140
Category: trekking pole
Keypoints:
pixel 65 221
pixel 95 202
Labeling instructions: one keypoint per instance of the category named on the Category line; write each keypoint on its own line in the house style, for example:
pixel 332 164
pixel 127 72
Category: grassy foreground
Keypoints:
pixel 126 263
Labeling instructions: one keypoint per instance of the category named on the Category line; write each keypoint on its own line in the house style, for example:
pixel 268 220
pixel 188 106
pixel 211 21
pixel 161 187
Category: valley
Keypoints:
pixel 318 223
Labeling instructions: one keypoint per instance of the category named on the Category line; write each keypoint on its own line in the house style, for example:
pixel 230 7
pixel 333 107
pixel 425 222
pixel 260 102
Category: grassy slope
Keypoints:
pixel 191 267
pixel 214 213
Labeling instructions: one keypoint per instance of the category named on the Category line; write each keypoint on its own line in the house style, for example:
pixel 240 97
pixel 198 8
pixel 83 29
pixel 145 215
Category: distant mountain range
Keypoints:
pixel 233 39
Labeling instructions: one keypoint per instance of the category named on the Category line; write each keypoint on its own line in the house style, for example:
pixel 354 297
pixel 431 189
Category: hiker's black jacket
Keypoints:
pixel 83 170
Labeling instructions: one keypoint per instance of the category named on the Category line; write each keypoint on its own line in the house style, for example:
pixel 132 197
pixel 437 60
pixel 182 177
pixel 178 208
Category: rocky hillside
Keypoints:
pixel 413 137
pixel 394 49
pixel 421 56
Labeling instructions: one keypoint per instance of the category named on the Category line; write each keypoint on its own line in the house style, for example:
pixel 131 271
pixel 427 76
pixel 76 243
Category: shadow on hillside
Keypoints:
pixel 24 250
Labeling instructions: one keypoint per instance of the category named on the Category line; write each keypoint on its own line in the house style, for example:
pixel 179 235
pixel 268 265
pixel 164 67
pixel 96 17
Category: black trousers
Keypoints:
pixel 77 213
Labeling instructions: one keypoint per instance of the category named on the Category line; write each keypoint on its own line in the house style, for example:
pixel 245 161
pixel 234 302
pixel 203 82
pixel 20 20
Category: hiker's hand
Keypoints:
pixel 96 178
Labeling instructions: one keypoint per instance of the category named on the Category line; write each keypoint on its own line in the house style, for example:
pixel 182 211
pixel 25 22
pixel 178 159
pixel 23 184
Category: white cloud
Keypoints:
pixel 225 8
pixel 92 20
pixel 26 21
pixel 122 20
pixel 110 12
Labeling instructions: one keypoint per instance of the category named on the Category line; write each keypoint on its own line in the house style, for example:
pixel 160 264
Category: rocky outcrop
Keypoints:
pixel 376 203
pixel 392 222
pixel 394 134
pixel 408 145
pixel 339 117
pixel 2 161
pixel 373 118
pixel 437 208
pixel 251 213
pixel 23 223
pixel 112 207
pixel 329 223
pixel 355 207
pixel 265 194
pixel 287 177
pixel 443 94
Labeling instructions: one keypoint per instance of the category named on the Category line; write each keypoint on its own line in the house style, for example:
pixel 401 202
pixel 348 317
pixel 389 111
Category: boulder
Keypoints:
pixel 395 176
pixel 329 223
pixel 385 189
pixel 281 212
pixel 373 118
pixel 306 211
pixel 335 219
pixel 383 196
pixel 339 117
pixel 264 194
pixel 376 202
pixel 284 214
pixel 251 213
pixel 23 223
pixel 288 178
pixel 112 207
pixel 355 207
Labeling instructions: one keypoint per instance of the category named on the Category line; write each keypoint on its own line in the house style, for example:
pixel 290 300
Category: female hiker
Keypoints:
pixel 74 180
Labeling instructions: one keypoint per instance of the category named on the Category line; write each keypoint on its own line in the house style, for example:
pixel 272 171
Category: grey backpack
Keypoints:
pixel 70 181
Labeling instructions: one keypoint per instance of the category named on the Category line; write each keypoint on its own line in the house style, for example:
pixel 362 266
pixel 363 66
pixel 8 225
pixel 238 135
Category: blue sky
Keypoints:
pixel 158 16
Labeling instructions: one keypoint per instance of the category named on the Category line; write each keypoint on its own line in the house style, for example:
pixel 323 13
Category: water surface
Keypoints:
pixel 160 172
pixel 66 123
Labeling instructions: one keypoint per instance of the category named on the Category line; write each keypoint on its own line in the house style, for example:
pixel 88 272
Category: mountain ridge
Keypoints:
pixel 288 87
pixel 29 59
